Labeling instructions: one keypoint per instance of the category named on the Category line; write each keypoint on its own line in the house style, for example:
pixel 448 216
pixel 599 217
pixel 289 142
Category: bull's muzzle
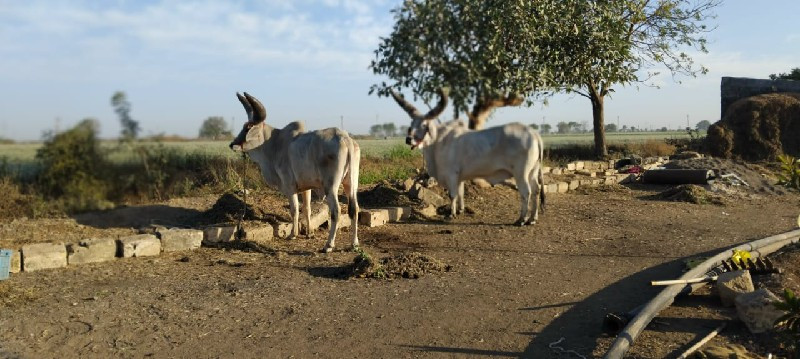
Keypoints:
pixel 408 140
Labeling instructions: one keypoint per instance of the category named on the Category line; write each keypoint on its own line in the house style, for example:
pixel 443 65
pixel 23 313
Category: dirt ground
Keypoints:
pixel 506 292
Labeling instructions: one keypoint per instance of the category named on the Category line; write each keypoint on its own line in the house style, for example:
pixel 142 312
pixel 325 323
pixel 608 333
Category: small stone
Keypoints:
pixel 563 187
pixel 573 185
pixel 282 230
pixel 428 196
pixel 43 256
pixel 92 250
pixel 140 245
pixel 756 310
pixel 397 214
pixel 259 233
pixel 427 211
pixel 408 184
pixel 180 239
pixel 731 284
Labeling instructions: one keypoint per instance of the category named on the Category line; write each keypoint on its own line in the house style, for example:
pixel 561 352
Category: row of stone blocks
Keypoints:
pixel 564 187
pixel 265 232
pixel 38 256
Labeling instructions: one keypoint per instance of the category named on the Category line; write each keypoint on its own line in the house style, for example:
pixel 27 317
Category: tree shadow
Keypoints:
pixel 140 216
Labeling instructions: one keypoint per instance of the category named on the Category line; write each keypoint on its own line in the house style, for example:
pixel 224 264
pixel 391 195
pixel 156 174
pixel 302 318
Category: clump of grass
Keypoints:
pixel 788 325
pixel 13 296
pixel 398 163
pixel 366 267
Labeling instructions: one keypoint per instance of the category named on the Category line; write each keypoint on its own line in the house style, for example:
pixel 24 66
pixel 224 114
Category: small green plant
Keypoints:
pixel 366 267
pixel 789 323
pixel 789 175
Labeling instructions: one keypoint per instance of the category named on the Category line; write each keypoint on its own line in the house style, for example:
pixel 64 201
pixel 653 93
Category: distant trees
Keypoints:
pixel 534 126
pixel 215 128
pixel 130 127
pixel 388 129
pixel 546 128
pixel 791 75
pixel 611 127
pixel 703 125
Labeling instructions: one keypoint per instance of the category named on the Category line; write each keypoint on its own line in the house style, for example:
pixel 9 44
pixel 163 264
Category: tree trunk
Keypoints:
pixel 477 118
pixel 600 150
pixel 483 108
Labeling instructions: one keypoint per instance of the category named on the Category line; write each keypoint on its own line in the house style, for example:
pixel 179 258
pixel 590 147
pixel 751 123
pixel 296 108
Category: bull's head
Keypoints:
pixel 420 132
pixel 252 134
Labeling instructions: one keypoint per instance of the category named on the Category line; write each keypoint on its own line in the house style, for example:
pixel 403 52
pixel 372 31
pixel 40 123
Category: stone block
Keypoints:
pixel 319 216
pixel 731 284
pixel 563 187
pixel 259 233
pixel 609 181
pixel 91 250
pixel 16 262
pixel 580 165
pixel 426 212
pixel 180 239
pixel 597 182
pixel 601 166
pixel 585 182
pixel 222 234
pixel 571 166
pixel 398 214
pixel 283 230
pixel 43 256
pixel 586 173
pixel 556 171
pixel 551 188
pixel 373 217
pixel 546 170
pixel 140 245
pixel 756 310
pixel 344 222
pixel 408 184
pixel 574 184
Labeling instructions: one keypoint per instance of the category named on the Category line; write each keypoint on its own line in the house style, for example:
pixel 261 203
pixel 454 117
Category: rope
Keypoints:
pixel 554 346
pixel 240 234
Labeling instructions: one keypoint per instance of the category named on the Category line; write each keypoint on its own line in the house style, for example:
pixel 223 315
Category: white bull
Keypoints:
pixel 295 161
pixel 454 154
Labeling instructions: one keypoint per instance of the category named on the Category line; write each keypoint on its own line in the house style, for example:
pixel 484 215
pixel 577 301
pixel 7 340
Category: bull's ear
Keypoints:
pixel 254 138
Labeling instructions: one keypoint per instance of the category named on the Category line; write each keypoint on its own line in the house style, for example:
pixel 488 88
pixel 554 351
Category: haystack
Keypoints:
pixel 758 128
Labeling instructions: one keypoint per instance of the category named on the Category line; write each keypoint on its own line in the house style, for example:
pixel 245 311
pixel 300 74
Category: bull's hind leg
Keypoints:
pixel 536 187
pixel 333 206
pixel 307 209
pixel 461 197
pixel 351 192
pixel 524 187
pixel 293 208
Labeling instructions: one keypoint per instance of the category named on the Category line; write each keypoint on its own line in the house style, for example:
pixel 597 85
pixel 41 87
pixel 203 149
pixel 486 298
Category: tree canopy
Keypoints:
pixel 130 127
pixel 791 75
pixel 215 128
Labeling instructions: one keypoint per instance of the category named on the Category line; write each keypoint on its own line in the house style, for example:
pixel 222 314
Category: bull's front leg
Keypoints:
pixel 295 212
pixel 461 197
pixel 454 187
pixel 307 217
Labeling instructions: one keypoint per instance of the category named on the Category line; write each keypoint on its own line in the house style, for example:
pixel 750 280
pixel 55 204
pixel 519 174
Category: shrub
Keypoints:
pixel 789 174
pixel 789 323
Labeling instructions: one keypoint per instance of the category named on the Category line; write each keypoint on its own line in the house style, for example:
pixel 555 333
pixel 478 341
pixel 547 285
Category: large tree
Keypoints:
pixel 215 128
pixel 619 42
pixel 791 75
pixel 485 52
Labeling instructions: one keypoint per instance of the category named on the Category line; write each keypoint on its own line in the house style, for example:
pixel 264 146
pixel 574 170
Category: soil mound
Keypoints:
pixel 230 206
pixel 757 178
pixel 758 128
pixel 384 194
pixel 405 265
pixel 689 193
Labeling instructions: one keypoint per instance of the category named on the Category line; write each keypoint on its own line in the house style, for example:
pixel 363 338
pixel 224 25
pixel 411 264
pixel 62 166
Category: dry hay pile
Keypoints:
pixel 759 179
pixel 758 128
pixel 690 193
pixel 404 265
pixel 384 194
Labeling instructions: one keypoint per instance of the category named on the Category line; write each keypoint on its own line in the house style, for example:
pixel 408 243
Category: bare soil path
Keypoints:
pixel 511 291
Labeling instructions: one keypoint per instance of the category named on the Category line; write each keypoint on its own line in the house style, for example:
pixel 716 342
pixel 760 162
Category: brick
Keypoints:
pixel 580 165
pixel 282 230
pixel 571 166
pixel 180 239
pixel 731 284
pixel 398 214
pixel 563 187
pixel 373 217
pixel 573 185
pixel 140 245
pixel 91 250
pixel 222 234
pixel 16 262
pixel 259 233
pixel 43 256
pixel 551 188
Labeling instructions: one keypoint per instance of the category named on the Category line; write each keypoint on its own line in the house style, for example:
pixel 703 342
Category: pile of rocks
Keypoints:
pixel 753 307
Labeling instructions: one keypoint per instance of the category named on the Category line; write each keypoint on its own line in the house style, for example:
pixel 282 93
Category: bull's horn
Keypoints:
pixel 433 113
pixel 259 113
pixel 247 107
pixel 409 108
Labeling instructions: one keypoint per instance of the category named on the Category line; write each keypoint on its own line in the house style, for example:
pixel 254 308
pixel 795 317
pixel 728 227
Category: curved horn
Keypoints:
pixel 409 108
pixel 259 113
pixel 433 113
pixel 247 107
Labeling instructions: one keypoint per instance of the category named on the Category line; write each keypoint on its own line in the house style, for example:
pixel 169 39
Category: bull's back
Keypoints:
pixel 314 153
pixel 482 153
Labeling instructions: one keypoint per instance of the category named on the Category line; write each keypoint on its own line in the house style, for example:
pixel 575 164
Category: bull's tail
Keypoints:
pixel 540 174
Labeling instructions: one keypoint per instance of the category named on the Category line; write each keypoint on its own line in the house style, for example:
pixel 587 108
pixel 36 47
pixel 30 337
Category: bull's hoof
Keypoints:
pixel 327 250
pixel 449 218
pixel 530 222
pixel 520 223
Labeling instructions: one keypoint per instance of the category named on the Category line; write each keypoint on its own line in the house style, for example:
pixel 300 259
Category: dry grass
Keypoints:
pixel 13 296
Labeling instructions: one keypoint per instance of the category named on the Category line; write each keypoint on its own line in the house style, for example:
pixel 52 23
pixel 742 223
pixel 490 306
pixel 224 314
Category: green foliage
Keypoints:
pixel 789 323
pixel 791 75
pixel 130 127
pixel 72 168
pixel 789 174
pixel 215 128
pixel 396 163
pixel 703 125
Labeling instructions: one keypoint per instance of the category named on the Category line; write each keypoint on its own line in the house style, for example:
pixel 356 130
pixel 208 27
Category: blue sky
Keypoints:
pixel 180 62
